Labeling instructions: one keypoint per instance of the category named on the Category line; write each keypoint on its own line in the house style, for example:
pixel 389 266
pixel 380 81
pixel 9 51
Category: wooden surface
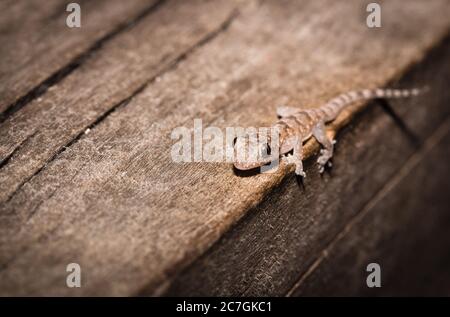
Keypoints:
pixel 413 266
pixel 281 242
pixel 38 49
pixel 114 202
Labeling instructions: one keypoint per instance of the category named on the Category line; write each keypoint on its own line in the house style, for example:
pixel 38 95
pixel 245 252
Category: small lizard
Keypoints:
pixel 298 125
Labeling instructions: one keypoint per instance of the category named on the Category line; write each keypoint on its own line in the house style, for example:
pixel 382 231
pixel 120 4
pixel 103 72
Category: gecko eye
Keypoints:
pixel 234 141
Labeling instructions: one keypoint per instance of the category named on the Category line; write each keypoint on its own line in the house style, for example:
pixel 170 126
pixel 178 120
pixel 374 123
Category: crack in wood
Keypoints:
pixel 205 40
pixel 399 122
pixel 412 162
pixel 8 158
pixel 75 63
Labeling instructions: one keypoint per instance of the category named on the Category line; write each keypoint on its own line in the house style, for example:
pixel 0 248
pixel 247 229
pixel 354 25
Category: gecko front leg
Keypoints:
pixel 297 157
pixel 320 135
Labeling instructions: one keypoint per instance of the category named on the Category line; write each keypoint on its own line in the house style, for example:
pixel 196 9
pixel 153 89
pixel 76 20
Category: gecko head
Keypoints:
pixel 253 151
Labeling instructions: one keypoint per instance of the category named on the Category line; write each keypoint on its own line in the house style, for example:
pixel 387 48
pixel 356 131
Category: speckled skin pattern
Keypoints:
pixel 298 125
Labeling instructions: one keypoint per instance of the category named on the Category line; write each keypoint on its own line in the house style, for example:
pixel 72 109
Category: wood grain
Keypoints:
pixel 113 200
pixel 278 241
pixel 105 81
pixel 404 229
pixel 38 47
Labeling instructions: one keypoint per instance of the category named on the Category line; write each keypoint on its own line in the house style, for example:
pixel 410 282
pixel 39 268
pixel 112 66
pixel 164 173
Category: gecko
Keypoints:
pixel 297 125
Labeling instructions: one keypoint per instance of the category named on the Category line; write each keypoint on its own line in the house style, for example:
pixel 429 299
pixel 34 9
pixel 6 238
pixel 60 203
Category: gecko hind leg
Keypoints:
pixel 326 153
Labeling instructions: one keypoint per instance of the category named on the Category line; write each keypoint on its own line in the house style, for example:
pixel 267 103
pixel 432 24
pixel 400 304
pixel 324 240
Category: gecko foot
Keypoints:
pixel 300 172
pixel 290 159
pixel 324 159
pixel 322 167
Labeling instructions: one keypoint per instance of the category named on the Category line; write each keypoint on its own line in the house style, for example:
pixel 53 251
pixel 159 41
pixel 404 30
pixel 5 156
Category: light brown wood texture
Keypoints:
pixel 113 200
pixel 107 80
pixel 36 43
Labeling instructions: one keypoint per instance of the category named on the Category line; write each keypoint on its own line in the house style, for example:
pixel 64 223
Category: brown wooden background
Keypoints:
pixel 85 168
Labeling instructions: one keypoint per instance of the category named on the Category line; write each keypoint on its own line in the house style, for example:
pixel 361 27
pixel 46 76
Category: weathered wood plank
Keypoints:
pixel 114 201
pixel 406 233
pixel 101 84
pixel 36 44
pixel 405 230
pixel 266 252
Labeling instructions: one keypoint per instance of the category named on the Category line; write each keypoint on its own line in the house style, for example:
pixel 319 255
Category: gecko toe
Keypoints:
pixel 301 173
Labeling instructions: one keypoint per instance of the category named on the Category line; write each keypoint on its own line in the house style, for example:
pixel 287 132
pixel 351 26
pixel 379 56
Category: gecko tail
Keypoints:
pixel 394 93
pixel 338 103
pixel 333 107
